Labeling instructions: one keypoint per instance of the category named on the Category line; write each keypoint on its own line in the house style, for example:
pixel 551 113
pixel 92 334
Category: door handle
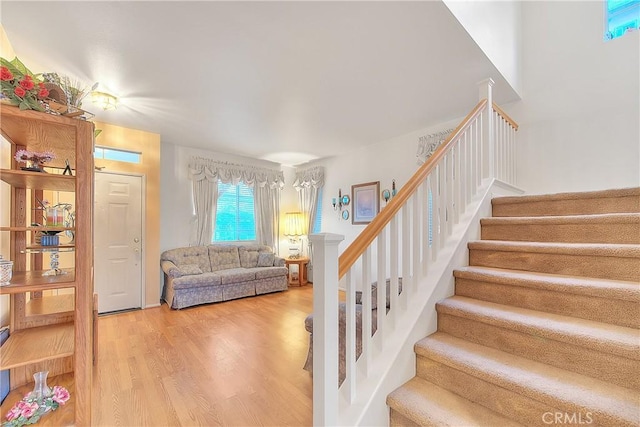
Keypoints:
pixel 136 240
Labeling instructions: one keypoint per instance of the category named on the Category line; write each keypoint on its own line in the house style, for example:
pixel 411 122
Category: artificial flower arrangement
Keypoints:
pixel 20 86
pixel 30 409
pixel 34 159
pixel 40 92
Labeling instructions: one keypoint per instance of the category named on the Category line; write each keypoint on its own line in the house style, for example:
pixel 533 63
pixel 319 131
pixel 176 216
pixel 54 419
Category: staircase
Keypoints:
pixel 543 327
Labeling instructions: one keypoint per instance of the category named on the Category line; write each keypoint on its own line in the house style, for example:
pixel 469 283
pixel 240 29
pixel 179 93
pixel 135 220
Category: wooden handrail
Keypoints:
pixel 358 246
pixel 505 116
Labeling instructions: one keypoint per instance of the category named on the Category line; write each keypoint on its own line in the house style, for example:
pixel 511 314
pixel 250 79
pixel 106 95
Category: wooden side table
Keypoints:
pixel 301 279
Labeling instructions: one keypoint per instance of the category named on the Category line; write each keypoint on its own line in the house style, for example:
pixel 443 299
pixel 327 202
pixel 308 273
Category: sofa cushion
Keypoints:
pixel 223 257
pixel 266 259
pixel 266 272
pixel 197 281
pixel 249 255
pixel 197 255
pixel 189 269
pixel 236 275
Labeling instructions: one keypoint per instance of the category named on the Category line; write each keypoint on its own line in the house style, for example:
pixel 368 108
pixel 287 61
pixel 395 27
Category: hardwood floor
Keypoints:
pixel 237 363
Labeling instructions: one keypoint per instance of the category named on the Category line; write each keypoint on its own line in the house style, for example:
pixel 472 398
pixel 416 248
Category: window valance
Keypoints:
pixel 428 144
pixel 212 170
pixel 307 178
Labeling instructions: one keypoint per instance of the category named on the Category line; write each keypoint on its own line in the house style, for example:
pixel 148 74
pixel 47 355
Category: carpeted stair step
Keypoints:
pixel 607 352
pixel 421 403
pixel 519 388
pixel 606 261
pixel 610 301
pixel 602 228
pixel 586 203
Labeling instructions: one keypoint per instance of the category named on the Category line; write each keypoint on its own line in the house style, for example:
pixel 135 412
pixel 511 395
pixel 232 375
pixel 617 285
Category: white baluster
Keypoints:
pixel 382 287
pixel 424 211
pixel 407 280
pixel 349 384
pixel 393 267
pixel 366 311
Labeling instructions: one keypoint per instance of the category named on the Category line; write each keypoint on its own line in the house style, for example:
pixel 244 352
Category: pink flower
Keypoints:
pixel 60 395
pixel 14 412
pixel 28 409
pixel 19 91
pixel 43 93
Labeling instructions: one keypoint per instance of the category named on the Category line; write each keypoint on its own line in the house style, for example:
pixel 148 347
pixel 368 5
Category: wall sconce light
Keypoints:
pixel 105 100
pixel 294 229
pixel 341 203
pixel 388 195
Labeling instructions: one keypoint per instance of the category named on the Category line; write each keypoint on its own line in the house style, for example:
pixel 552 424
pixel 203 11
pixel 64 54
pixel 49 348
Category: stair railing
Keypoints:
pixel 398 247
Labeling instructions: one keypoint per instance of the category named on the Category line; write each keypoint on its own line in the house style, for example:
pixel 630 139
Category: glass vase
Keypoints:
pixel 40 390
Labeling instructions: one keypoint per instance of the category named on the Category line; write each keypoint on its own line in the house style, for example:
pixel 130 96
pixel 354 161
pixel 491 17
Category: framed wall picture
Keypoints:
pixel 366 202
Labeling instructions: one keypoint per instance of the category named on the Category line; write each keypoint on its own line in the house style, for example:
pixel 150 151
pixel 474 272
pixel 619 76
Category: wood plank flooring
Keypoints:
pixel 236 363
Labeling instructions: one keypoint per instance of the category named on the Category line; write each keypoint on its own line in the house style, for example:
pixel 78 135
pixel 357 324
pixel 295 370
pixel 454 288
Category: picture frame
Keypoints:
pixel 366 202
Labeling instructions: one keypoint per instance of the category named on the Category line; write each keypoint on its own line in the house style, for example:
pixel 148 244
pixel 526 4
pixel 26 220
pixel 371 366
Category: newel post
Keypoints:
pixel 325 328
pixel 488 140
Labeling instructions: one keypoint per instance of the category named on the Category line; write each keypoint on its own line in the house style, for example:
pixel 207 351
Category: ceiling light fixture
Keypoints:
pixel 104 100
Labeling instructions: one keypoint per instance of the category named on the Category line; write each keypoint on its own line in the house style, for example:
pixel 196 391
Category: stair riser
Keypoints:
pixel 615 312
pixel 609 267
pixel 586 206
pixel 581 359
pixel 624 233
pixel 511 404
pixel 397 420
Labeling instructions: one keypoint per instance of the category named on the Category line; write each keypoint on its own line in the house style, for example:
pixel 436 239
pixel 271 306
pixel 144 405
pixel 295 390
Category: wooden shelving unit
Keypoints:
pixel 50 332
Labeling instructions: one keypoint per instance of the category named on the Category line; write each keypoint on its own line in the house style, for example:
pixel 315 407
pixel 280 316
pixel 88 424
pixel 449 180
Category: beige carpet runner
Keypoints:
pixel 543 328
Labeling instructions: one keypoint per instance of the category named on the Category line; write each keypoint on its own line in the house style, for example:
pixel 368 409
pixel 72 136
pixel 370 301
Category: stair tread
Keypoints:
pixel 610 218
pixel 603 288
pixel 577 249
pixel 427 404
pixel 598 336
pixel 622 192
pixel 535 380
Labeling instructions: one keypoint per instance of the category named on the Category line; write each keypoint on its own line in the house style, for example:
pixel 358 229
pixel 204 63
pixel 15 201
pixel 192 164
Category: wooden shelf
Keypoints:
pixel 63 416
pixel 38 180
pixel 42 337
pixel 33 345
pixel 48 248
pixel 32 281
pixel 41 228
pixel 50 304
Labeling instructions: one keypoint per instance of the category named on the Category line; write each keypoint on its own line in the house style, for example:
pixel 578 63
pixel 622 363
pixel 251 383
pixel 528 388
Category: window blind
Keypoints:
pixel 235 214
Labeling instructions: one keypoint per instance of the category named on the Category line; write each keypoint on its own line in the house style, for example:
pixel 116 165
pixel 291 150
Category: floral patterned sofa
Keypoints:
pixel 204 274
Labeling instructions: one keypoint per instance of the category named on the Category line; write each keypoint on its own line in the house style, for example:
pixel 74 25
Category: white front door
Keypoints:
pixel 118 241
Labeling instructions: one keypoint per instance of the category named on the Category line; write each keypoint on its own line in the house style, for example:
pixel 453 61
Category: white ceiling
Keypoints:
pixel 281 81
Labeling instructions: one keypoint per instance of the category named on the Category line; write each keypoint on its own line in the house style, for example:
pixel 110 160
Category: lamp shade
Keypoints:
pixel 294 224
pixel 104 100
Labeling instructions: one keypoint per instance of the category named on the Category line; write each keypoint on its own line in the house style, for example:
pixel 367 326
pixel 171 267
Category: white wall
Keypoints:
pixel 580 110
pixel 383 161
pixel 495 26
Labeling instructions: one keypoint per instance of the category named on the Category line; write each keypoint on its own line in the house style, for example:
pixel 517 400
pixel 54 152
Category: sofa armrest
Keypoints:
pixel 170 269
pixel 278 262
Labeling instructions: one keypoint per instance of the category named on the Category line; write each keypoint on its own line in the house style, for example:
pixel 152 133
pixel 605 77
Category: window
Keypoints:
pixel 117 155
pixel 317 223
pixel 621 16
pixel 235 214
